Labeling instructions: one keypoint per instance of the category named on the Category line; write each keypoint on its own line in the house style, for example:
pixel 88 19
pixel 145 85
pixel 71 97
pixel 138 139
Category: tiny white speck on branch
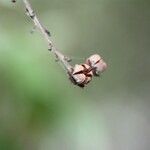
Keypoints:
pixel 79 74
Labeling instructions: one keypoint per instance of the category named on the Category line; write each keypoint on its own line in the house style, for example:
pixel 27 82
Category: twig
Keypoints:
pixel 46 34
pixel 79 75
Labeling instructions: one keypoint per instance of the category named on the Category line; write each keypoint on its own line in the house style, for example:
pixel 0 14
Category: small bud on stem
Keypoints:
pixel 13 1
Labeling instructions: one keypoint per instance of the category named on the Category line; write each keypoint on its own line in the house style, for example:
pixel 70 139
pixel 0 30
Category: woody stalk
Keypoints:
pixel 79 74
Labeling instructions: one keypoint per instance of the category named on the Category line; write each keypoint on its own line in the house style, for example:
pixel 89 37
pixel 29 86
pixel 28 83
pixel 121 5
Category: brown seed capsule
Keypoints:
pixel 96 63
pixel 93 59
pixel 88 73
pixel 101 66
pixel 78 74
pixel 81 75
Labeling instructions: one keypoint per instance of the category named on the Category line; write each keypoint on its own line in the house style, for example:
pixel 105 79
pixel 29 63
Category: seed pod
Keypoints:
pixel 101 66
pixel 88 73
pixel 87 70
pixel 96 63
pixel 81 75
pixel 93 59
pixel 78 74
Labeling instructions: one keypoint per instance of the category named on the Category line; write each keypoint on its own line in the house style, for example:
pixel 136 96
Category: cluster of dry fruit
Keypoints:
pixel 82 74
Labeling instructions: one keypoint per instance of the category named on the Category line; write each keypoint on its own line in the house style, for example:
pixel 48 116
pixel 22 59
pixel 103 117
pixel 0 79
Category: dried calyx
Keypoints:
pixel 82 74
pixel 97 63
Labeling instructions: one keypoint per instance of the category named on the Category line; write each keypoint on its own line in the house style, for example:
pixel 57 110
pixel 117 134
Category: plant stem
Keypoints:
pixel 46 35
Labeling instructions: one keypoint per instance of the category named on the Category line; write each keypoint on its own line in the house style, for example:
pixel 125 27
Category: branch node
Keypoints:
pixel 49 49
pixel 31 13
pixel 67 59
pixel 48 32
pixel 13 1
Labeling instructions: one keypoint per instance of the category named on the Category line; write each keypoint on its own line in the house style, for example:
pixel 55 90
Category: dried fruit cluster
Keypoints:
pixel 82 74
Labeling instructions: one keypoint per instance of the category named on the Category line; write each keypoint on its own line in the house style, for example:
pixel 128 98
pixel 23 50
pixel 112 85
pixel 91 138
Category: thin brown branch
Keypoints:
pixel 46 35
pixel 80 74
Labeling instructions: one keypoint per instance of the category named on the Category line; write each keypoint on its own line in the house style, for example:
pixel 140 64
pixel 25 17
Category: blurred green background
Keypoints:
pixel 41 110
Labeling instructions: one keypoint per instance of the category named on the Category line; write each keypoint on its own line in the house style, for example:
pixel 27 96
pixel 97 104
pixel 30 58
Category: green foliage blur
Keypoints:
pixel 40 109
